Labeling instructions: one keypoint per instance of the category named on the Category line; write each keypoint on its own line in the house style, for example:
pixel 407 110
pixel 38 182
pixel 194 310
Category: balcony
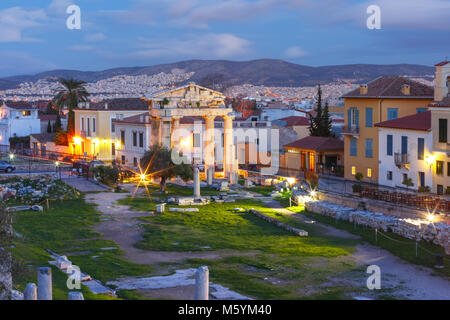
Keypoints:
pixel 401 159
pixel 351 131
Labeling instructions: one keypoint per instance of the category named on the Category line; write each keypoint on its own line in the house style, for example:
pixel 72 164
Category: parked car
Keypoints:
pixel 55 157
pixel 6 167
pixel 96 163
pixel 68 159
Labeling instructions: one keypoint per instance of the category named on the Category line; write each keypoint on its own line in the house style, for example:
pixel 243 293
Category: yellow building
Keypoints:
pixel 95 135
pixel 382 99
pixel 440 118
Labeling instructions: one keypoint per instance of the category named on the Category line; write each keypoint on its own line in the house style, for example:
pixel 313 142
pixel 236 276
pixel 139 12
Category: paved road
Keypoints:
pixel 82 184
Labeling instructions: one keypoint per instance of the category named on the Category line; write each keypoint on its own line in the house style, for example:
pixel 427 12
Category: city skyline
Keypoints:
pixel 34 36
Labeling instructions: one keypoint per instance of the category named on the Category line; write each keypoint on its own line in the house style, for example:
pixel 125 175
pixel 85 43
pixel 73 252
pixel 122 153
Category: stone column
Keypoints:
pixel 196 183
pixel 30 292
pixel 202 283
pixel 175 139
pixel 75 295
pixel 228 145
pixel 209 144
pixel 45 284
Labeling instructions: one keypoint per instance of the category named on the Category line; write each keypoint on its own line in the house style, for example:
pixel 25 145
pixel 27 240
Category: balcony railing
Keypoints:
pixel 350 130
pixel 401 158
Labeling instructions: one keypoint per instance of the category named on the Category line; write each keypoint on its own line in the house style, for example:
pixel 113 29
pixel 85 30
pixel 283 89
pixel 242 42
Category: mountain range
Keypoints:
pixel 267 72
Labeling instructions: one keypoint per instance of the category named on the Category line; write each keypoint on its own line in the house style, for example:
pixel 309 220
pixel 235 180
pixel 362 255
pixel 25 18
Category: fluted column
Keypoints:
pixel 209 155
pixel 228 145
pixel 174 136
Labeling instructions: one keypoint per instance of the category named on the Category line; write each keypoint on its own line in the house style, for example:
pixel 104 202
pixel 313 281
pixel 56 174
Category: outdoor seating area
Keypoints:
pixel 425 202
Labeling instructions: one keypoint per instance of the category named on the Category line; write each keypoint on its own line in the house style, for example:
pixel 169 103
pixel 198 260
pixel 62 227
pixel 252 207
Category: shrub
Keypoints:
pixel 106 174
pixel 61 138
pixel 357 188
pixel 425 189
pixel 359 176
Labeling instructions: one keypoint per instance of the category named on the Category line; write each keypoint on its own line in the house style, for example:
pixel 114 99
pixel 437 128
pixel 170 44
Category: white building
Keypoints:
pixel 18 119
pixel 405 146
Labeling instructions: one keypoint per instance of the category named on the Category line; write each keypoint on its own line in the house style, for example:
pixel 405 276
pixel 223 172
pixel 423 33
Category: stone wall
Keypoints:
pixel 417 229
pixel 388 209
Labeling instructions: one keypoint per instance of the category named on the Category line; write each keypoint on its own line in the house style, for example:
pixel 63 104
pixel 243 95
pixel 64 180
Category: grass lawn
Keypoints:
pixel 260 260
pixel 66 229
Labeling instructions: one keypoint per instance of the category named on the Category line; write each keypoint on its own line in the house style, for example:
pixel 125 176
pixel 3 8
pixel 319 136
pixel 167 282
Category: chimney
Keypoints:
pixel 106 105
pixel 363 89
pixel 406 89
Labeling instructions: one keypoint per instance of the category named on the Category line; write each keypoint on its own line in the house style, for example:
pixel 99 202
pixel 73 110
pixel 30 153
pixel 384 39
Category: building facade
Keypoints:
pixel 405 150
pixel 18 119
pixel 383 99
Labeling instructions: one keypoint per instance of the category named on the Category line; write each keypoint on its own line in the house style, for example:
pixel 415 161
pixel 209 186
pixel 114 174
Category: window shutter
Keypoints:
pixel 389 145
pixel 357 118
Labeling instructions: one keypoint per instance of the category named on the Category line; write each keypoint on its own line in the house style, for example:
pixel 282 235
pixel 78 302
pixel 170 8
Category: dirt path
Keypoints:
pixel 401 279
pixel 122 225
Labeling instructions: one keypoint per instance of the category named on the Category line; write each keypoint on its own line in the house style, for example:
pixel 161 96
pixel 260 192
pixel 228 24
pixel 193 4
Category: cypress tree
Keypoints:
pixel 49 127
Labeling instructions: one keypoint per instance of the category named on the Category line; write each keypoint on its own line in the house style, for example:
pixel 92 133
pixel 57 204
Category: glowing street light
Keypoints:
pixel 11 156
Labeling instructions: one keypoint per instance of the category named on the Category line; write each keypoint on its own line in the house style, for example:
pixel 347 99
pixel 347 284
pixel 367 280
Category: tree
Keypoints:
pixel 61 138
pixel 321 124
pixel 49 127
pixel 71 93
pixel 106 174
pixel 58 125
pixel 157 162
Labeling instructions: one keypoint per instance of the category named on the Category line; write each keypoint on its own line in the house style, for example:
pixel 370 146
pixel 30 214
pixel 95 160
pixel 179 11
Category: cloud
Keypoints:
pixel 295 53
pixel 95 37
pixel 81 48
pixel 13 21
pixel 211 46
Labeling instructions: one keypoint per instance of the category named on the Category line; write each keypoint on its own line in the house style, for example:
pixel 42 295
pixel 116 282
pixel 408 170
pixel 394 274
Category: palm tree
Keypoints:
pixel 71 93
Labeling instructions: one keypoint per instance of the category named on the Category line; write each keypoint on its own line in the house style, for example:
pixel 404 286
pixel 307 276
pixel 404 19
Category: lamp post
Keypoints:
pixel 58 169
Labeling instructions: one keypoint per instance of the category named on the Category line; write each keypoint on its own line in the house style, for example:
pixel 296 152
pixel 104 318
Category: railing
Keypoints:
pixel 350 130
pixel 401 158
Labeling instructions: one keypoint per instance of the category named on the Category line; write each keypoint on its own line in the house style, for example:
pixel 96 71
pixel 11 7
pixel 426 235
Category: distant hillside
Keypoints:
pixel 266 72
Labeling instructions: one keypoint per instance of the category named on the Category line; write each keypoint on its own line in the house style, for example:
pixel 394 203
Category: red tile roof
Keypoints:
pixel 444 103
pixel 18 104
pixel 440 64
pixel 391 87
pixel 51 117
pixel 419 121
pixel 317 144
pixel 295 121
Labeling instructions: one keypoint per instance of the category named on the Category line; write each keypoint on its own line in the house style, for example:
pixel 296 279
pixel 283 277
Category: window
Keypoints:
pixel 440 167
pixel 123 159
pixel 443 130
pixel 404 145
pixel 420 148
pixel 369 172
pixel 420 110
pixel 389 175
pixel 422 179
pixel 353 117
pixel 353 147
pixel 369 148
pixel 405 177
pixel 82 124
pixel 389 144
pixel 113 126
pixel 134 139
pixel 353 170
pixel 93 124
pixel 113 149
pixel 440 189
pixel 88 121
pixel 369 117
pixel 26 113
pixel 141 140
pixel 392 113
pixel 122 137
pixel 135 162
pixel 448 169
pixel 196 140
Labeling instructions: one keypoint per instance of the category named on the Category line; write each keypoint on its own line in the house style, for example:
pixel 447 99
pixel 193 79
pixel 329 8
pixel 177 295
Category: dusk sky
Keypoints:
pixel 34 36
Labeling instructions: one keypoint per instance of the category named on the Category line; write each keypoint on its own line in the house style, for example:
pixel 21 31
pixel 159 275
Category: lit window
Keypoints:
pixel 26 113
pixel 369 173
pixel 353 170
